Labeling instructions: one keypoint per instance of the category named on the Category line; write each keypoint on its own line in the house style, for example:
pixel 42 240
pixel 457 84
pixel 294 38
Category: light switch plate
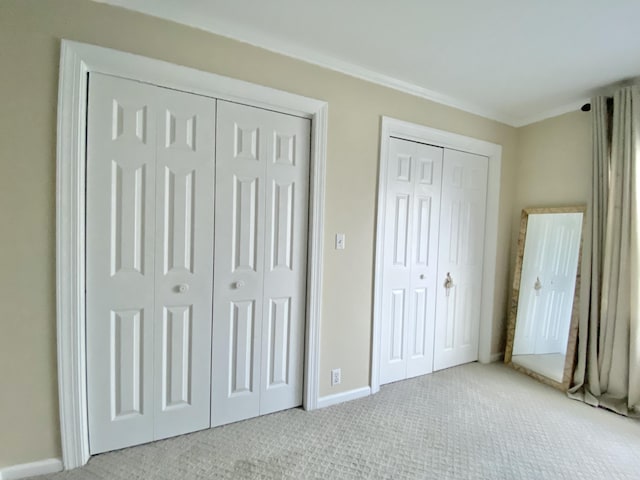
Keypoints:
pixel 339 241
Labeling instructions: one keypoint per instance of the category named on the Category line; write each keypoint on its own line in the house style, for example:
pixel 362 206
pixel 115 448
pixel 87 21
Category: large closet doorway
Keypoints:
pixel 435 251
pixel 165 167
pixel 79 62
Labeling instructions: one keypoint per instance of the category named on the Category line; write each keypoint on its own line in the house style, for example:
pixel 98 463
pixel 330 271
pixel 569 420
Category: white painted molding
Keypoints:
pixel 70 177
pixel 336 398
pixel 266 41
pixel 418 133
pixel 307 55
pixel 77 60
pixel 315 258
pixel 555 112
pixel 497 357
pixel 25 470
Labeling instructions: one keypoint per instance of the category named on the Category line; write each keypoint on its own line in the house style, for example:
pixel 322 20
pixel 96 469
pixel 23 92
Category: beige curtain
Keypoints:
pixel 608 369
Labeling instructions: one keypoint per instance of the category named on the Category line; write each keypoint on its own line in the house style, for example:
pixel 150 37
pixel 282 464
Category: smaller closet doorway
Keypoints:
pixel 433 140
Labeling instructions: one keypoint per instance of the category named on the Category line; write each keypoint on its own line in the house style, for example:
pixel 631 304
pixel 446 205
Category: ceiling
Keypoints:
pixel 515 61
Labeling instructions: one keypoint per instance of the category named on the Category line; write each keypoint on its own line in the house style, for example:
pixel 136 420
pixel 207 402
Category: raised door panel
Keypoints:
pixel 176 375
pixel 241 156
pixel 184 262
pixel 244 234
pixel 242 324
pixel 120 269
pixel 287 140
pixel 460 258
pixel 125 378
pixel 419 337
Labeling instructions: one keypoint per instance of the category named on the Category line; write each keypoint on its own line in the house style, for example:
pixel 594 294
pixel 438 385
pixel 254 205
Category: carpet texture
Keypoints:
pixel 469 422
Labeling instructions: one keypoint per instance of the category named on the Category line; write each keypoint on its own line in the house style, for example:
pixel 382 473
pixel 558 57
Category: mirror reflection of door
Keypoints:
pixel 547 287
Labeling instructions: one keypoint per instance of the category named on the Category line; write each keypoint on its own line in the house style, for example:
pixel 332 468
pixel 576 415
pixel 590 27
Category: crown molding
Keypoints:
pixel 307 55
pixel 272 43
pixel 555 112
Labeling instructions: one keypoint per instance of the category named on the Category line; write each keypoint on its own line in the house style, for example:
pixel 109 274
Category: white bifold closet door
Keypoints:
pixel 150 166
pixel 460 258
pixel 434 217
pixel 410 259
pixel 262 184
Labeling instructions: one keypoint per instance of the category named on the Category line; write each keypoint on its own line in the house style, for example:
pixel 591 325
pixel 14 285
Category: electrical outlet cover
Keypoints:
pixel 336 376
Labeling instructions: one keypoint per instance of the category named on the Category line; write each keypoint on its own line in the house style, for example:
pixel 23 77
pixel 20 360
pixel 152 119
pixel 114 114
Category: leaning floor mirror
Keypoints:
pixel 543 320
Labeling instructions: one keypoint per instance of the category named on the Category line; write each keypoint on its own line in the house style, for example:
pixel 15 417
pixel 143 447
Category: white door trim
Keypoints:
pixel 418 133
pixel 77 60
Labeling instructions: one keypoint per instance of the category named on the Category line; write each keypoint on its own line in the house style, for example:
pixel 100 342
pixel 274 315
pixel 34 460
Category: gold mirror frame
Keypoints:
pixel 572 341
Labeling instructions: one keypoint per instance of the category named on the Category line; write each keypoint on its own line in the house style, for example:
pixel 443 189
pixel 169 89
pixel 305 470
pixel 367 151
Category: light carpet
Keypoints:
pixel 469 422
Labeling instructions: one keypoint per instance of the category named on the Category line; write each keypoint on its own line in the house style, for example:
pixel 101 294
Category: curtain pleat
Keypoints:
pixel 608 366
pixel 633 394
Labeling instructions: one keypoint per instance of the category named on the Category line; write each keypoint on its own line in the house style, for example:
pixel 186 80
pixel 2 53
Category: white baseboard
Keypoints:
pixel 497 357
pixel 42 467
pixel 343 397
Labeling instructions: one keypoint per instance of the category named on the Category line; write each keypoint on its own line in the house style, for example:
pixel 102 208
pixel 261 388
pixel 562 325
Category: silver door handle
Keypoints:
pixel 238 284
pixel 183 288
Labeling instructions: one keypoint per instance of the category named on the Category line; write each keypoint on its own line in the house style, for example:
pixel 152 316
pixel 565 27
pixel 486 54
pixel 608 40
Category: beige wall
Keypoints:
pixel 30 33
pixel 554 162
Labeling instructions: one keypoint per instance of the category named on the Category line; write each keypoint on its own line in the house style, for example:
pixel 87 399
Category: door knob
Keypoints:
pixel 448 283
pixel 238 284
pixel 537 286
pixel 183 288
pixel 422 276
